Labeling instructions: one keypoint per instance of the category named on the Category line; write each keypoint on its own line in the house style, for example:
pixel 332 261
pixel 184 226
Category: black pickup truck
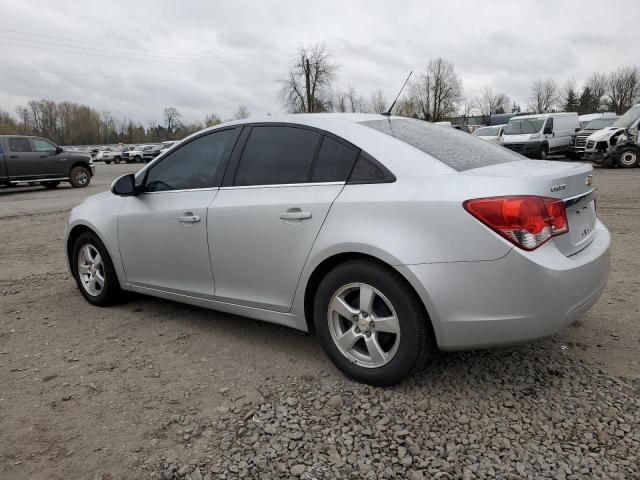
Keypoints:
pixel 35 159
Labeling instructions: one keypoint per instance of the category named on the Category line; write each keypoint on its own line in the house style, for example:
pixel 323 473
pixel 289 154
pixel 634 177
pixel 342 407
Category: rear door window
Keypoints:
pixel 275 155
pixel 459 150
pixel 335 161
pixel 19 145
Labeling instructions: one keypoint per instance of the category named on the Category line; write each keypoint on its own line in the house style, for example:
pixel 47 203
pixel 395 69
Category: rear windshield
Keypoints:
pixel 452 147
pixel 487 132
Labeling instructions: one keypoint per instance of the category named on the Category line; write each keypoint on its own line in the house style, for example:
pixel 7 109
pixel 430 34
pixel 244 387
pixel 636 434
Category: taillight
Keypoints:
pixel 527 221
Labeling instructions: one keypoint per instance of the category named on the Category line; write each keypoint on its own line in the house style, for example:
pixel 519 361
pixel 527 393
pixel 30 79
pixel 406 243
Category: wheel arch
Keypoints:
pixel 332 261
pixel 79 163
pixel 78 229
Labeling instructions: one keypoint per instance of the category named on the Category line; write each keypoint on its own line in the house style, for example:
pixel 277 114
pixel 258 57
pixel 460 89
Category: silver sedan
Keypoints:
pixel 387 237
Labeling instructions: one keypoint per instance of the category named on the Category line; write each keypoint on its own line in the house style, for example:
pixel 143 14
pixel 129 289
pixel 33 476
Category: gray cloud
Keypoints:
pixel 135 58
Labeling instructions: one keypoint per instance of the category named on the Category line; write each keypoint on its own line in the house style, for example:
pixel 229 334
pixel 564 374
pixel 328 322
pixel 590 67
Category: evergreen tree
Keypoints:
pixel 571 102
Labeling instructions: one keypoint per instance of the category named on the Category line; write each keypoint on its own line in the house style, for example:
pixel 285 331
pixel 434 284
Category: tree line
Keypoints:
pixel 69 123
pixel 310 85
pixel 437 93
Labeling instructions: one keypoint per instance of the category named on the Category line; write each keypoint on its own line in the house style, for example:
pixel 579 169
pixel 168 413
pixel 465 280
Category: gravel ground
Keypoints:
pixel 155 389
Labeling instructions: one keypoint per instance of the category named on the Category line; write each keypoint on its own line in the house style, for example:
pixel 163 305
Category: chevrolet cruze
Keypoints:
pixel 387 237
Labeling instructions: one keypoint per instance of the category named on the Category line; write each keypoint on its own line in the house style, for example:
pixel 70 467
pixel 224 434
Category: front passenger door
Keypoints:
pixel 52 163
pixel 162 232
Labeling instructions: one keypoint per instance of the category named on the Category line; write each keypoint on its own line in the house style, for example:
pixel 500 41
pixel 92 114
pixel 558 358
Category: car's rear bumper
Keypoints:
pixel 521 297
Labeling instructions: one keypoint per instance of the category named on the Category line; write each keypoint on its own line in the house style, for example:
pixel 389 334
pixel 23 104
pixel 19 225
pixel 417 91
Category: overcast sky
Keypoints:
pixel 136 57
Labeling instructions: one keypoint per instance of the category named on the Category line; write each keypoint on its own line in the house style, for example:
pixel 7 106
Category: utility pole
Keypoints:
pixel 307 78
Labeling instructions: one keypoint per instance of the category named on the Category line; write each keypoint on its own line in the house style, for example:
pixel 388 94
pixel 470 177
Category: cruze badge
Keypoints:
pixel 589 180
pixel 557 188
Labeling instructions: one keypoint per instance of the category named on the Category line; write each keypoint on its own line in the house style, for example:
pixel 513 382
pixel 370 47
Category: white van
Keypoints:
pixel 536 136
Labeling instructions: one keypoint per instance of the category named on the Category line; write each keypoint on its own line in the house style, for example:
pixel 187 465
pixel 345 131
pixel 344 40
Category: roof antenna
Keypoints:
pixel 388 112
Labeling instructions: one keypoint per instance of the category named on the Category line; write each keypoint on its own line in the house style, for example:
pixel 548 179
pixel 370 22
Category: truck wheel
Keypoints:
pixel 80 177
pixel 137 159
pixel 117 159
pixel 51 184
pixel 107 162
pixel 543 152
pixel 629 158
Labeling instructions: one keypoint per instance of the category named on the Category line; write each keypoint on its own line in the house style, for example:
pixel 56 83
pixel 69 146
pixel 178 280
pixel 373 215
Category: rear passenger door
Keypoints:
pixel 277 191
pixel 22 162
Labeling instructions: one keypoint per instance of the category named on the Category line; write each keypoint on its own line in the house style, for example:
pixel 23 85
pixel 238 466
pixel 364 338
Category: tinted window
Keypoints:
pixel 277 155
pixel 42 145
pixel 365 171
pixel 456 149
pixel 19 145
pixel 194 165
pixel 334 162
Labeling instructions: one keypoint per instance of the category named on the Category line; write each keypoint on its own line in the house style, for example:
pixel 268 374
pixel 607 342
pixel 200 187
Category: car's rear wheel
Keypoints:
pixel 93 270
pixel 371 323
pixel 629 158
pixel 80 177
pixel 107 162
pixel 50 184
pixel 117 159
pixel 137 159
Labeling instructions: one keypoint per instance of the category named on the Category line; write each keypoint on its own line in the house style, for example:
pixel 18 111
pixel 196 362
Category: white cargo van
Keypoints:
pixel 537 136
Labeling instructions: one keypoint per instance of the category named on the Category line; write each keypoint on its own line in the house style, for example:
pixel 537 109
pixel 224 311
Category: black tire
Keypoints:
pixel 628 157
pixel 111 293
pixel 137 159
pixel 50 184
pixel 571 156
pixel 79 177
pixel 107 162
pixel 544 152
pixel 117 159
pixel 416 341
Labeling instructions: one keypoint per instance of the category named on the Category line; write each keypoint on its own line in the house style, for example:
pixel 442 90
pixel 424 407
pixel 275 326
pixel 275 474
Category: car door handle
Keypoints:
pixel 189 218
pixel 295 214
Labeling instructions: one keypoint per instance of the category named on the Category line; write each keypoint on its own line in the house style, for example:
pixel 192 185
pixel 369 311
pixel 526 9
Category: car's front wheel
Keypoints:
pixel 93 270
pixel 371 323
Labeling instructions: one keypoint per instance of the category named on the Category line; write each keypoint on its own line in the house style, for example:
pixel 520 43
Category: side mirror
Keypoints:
pixel 59 150
pixel 124 186
pixel 577 129
pixel 548 130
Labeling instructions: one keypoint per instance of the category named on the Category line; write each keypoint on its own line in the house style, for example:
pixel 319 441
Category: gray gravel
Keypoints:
pixel 518 413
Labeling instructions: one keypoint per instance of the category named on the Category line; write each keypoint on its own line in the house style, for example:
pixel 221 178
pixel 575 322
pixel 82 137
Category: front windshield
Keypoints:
pixel 600 123
pixel 628 119
pixel 488 132
pixel 517 126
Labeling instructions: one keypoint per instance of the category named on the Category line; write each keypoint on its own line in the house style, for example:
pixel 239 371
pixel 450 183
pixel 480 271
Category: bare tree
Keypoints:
pixel 241 112
pixel 623 88
pixel 544 95
pixel 172 120
pixel 597 83
pixel 306 86
pixel 438 91
pixel 212 119
pixel 355 103
pixel 490 102
pixel 378 102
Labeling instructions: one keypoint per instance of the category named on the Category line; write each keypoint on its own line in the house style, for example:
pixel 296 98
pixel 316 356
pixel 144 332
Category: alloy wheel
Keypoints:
pixel 364 325
pixel 91 270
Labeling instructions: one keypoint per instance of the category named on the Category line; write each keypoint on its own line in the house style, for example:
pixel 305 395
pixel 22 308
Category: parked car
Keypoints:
pixel 617 145
pixel 167 145
pixel 133 154
pixel 579 139
pixel 536 136
pixel 490 134
pixel 151 151
pixel 35 159
pixel 111 155
pixel 385 236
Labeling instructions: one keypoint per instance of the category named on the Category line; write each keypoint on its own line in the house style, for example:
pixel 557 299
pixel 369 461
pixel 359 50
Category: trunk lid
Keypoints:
pixel 572 182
